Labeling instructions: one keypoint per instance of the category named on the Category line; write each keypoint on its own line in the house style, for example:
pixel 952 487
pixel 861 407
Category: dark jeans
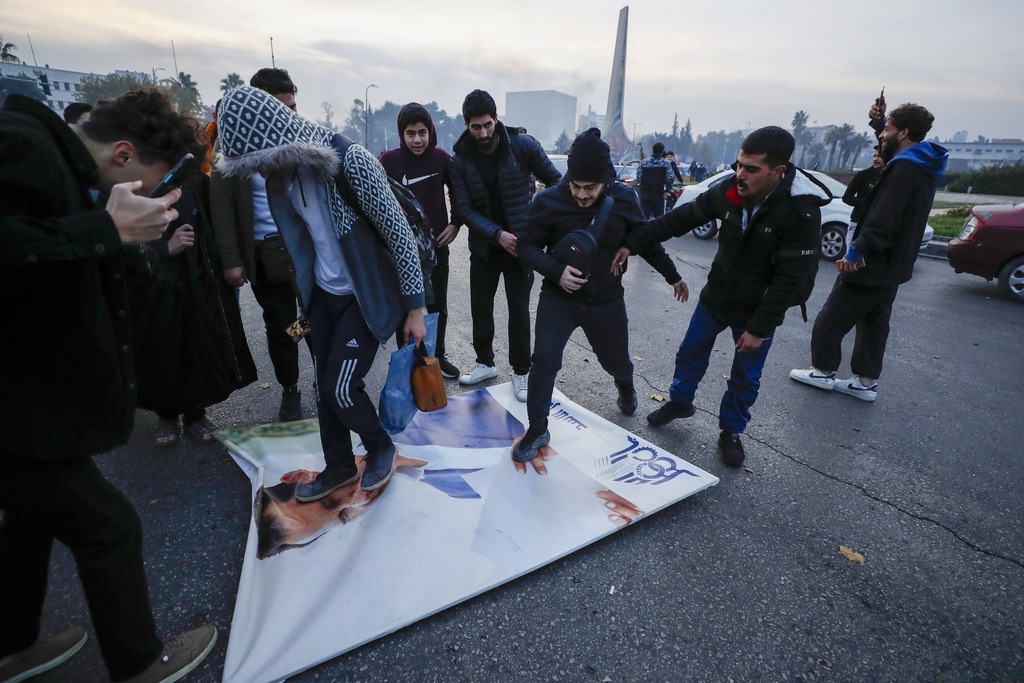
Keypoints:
pixel 439 280
pixel 849 305
pixel 652 203
pixel 343 352
pixel 280 310
pixel 558 316
pixel 71 501
pixel 744 379
pixel 483 285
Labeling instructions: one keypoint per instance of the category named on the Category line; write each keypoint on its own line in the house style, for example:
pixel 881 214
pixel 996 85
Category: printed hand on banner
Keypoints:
pixel 543 453
pixel 623 511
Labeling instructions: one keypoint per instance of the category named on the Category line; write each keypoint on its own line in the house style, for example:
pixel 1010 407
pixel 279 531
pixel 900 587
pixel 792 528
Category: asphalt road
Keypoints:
pixel 741 582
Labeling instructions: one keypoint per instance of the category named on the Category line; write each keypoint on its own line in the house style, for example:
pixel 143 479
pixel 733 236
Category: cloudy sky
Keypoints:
pixel 721 65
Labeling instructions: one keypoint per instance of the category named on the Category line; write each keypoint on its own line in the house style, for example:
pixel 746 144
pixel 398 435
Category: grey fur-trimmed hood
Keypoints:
pixel 259 133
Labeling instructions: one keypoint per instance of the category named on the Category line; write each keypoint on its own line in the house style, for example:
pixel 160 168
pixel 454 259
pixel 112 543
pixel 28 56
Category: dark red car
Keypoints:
pixel 992 245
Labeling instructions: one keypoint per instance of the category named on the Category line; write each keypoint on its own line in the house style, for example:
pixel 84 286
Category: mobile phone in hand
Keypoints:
pixel 182 170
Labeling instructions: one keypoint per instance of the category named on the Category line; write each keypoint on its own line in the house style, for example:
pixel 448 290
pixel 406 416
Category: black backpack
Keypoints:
pixel 414 214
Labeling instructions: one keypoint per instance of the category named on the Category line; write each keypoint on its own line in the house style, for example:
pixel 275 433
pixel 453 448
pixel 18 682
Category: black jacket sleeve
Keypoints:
pixel 676 222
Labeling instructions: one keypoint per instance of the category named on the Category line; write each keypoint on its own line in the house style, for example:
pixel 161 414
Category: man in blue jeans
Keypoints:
pixel 771 219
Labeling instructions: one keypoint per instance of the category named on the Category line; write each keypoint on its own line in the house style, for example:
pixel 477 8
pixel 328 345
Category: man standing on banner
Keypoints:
pixel 425 169
pixel 357 267
pixel 770 213
pixel 491 185
pixel 655 180
pixel 66 363
pixel 246 234
pixel 571 298
pixel 880 257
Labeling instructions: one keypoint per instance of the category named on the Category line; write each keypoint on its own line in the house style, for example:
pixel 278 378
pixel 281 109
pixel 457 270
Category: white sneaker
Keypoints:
pixel 479 373
pixel 815 378
pixel 853 387
pixel 519 384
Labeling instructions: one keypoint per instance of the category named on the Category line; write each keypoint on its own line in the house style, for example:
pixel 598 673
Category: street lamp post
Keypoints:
pixel 366 115
pixel 155 69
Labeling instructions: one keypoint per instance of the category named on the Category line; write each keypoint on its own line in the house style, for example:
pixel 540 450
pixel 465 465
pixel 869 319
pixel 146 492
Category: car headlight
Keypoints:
pixel 969 227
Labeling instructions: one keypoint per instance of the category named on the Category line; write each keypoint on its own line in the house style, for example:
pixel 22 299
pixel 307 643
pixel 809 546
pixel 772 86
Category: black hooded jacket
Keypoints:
pixel 519 156
pixel 757 273
pixel 554 214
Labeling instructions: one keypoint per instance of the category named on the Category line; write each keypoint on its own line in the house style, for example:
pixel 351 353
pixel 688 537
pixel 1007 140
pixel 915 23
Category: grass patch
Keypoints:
pixel 947 205
pixel 948 226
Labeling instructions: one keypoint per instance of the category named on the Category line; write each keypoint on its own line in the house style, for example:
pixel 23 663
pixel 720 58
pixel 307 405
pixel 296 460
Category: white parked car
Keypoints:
pixel 835 216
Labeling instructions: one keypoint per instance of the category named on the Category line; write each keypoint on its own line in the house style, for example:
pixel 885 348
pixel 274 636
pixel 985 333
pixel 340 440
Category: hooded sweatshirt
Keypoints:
pixel 889 236
pixel 426 175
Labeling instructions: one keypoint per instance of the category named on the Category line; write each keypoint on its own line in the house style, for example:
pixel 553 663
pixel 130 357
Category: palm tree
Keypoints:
pixel 7 52
pixel 799 124
pixel 231 82
pixel 833 139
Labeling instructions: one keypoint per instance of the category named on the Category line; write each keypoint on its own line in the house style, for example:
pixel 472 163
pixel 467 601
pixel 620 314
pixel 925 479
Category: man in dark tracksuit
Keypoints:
pixel 655 179
pixel 570 298
pixel 771 220
pixel 66 365
pixel 491 184
pixel 880 258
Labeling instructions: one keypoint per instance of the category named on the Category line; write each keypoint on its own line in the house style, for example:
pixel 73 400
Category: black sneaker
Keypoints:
pixel 731 448
pixel 627 400
pixel 673 410
pixel 330 479
pixel 448 369
pixel 379 468
pixel 526 448
pixel 291 405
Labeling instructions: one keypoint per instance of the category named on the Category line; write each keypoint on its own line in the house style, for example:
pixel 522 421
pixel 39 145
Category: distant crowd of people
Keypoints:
pixel 121 300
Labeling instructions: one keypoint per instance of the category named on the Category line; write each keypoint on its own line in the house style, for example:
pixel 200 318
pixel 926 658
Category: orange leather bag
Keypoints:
pixel 428 390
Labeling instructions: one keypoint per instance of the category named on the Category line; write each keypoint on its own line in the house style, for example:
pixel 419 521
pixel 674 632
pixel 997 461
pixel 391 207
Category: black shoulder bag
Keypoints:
pixel 577 249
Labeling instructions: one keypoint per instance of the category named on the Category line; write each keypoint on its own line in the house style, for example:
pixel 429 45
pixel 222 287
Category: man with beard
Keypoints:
pixel 423 167
pixel 570 298
pixel 491 183
pixel 770 214
pixel 880 258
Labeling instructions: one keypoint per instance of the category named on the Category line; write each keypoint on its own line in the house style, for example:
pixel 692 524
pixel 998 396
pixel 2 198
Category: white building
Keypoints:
pixel 590 120
pixel 545 114
pixel 58 85
pixel 973 156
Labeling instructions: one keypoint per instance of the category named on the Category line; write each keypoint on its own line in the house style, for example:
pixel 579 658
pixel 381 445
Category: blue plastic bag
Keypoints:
pixel 396 405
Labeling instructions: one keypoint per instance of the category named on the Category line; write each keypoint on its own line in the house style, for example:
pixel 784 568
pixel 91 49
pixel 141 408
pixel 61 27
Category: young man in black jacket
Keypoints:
pixel 67 354
pixel 880 257
pixel 570 298
pixel 491 184
pixel 770 214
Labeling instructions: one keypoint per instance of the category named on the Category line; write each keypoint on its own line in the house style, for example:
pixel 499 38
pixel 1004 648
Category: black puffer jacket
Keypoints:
pixel 65 354
pixel 757 273
pixel 471 199
pixel 554 214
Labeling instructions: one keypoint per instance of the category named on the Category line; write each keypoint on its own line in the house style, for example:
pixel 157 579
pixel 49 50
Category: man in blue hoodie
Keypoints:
pixel 880 258
pixel 425 169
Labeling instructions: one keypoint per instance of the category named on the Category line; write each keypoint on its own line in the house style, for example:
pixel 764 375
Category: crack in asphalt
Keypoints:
pixel 923 518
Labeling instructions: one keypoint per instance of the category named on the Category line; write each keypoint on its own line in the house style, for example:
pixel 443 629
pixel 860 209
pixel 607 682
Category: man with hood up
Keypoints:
pixel 880 258
pixel 770 213
pixel 425 169
pixel 570 298
pixel 357 268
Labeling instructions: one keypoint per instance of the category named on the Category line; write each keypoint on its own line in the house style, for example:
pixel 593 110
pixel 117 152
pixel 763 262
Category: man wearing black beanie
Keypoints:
pixel 572 298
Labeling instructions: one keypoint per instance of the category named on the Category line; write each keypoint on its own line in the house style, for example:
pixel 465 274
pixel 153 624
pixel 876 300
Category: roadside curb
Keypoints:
pixel 936 249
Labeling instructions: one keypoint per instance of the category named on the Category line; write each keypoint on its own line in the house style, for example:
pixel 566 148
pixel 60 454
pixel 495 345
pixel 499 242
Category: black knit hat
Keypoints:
pixel 590 160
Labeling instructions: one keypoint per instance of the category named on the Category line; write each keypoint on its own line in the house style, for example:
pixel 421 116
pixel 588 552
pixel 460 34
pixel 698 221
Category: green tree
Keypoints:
pixel 328 119
pixel 7 52
pixel 92 89
pixel 230 82
pixel 799 124
pixel 563 143
pixel 851 148
pixel 184 94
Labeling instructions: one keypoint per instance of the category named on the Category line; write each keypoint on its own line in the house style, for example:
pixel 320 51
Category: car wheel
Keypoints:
pixel 833 242
pixel 1011 279
pixel 706 231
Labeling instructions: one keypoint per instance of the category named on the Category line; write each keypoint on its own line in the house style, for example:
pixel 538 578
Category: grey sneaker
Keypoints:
pixel 379 468
pixel 327 481
pixel 479 373
pixel 814 377
pixel 853 387
pixel 180 656
pixel 45 654
pixel 519 386
pixel 527 447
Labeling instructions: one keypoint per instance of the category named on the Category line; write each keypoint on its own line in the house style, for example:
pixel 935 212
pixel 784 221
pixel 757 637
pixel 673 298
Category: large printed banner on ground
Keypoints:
pixel 457 519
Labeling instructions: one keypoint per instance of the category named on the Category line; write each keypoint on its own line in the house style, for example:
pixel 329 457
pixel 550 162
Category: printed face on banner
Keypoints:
pixel 455 520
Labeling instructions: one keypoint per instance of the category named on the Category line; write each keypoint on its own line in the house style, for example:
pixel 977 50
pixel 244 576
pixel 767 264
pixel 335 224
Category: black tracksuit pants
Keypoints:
pixel 850 305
